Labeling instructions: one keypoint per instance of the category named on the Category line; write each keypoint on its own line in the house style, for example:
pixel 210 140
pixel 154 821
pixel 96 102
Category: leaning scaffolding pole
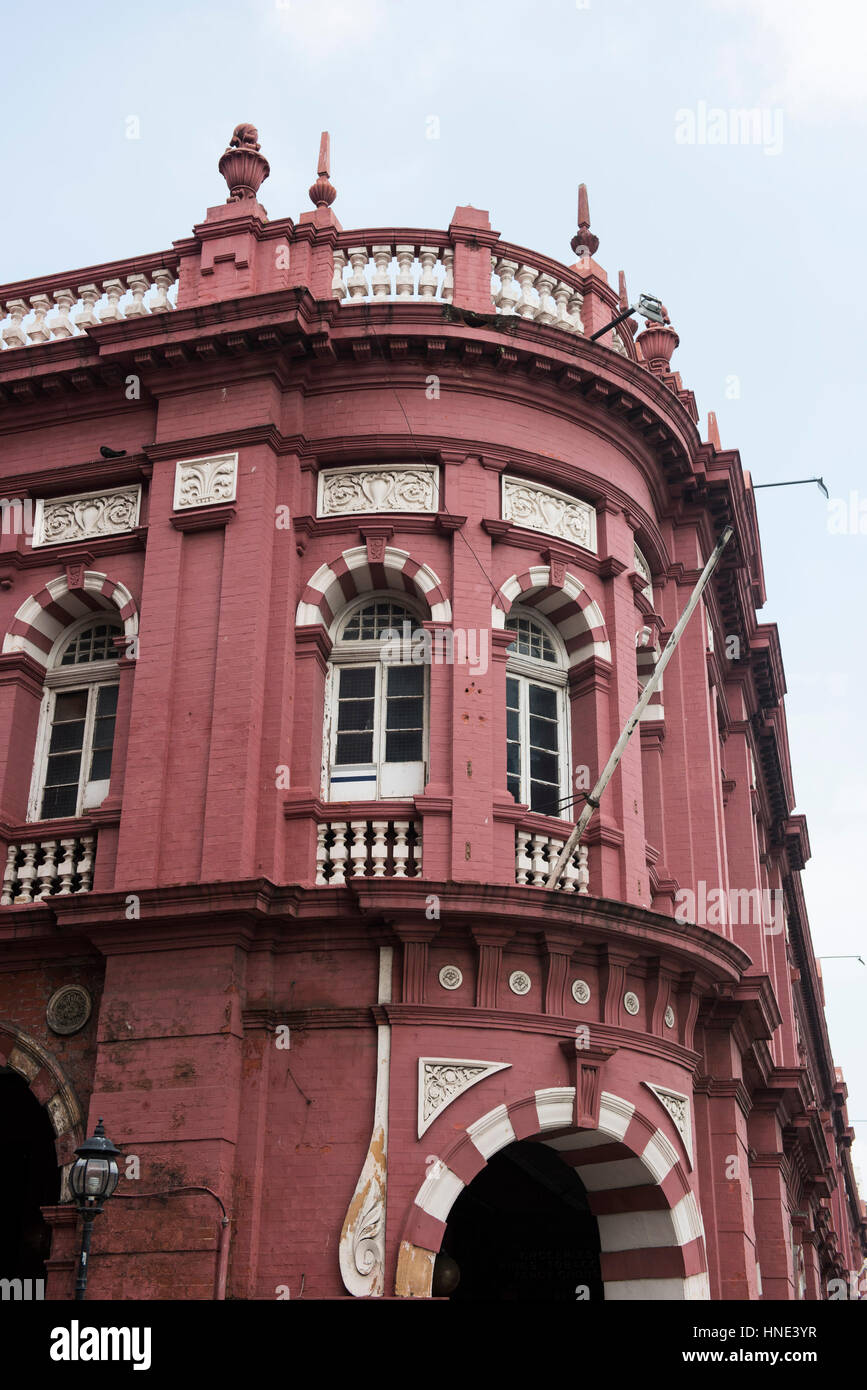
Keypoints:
pixel 632 722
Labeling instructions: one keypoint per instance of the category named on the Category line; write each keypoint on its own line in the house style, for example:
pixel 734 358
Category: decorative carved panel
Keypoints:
pixel 402 488
pixel 206 482
pixel 545 509
pixel 677 1106
pixel 442 1079
pixel 86 516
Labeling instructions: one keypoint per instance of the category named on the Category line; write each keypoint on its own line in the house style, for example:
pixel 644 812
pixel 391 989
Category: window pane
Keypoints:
pixel 65 737
pixel 544 799
pixel 514 786
pixel 64 767
pixel 513 759
pixel 543 733
pixel 357 682
pixel 512 693
pixel 103 733
pixel 368 624
pixel 59 801
pixel 543 700
pixel 93 644
pixel 354 748
pixel 405 680
pixel 100 765
pixel 106 699
pixel 531 639
pixel 544 766
pixel 405 746
pixel 70 704
pixel 355 714
pixel 405 714
pixel 513 725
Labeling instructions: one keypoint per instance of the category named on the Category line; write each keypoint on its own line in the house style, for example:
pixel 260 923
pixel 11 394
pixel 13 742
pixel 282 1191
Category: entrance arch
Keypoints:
pixel 650 1228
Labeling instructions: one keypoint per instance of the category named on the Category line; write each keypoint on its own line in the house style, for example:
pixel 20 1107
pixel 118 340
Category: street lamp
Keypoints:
pixel 93 1178
pixel 648 306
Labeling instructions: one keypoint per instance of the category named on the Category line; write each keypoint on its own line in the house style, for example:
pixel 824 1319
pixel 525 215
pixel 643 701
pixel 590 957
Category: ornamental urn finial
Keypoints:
pixel 584 242
pixel 242 166
pixel 322 193
pixel 657 342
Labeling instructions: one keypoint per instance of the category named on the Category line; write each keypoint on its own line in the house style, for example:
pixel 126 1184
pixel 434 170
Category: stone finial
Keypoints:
pixel 322 193
pixel 656 343
pixel 242 166
pixel 622 293
pixel 713 430
pixel 584 240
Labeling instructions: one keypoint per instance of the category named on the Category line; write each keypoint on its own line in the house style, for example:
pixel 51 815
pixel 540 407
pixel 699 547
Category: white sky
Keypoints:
pixel 757 255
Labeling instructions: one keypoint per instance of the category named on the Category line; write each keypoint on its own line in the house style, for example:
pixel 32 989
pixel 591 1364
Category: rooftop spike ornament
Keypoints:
pixel 242 166
pixel 322 193
pixel 584 243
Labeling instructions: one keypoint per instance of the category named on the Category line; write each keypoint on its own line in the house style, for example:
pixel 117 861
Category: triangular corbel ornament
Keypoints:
pixel 586 1068
pixel 678 1107
pixel 442 1079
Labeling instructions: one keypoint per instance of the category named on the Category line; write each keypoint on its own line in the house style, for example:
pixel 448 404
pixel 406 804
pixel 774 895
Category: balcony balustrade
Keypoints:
pixel 40 869
pixel 59 309
pixel 535 854
pixel 367 849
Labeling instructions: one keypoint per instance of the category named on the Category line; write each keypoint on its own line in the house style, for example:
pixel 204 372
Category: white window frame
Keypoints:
pixel 368 786
pixel 90 676
pixel 529 670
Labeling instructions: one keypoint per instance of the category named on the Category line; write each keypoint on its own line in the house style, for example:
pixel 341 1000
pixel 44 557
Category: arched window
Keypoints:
pixel 537 740
pixel 73 756
pixel 376 736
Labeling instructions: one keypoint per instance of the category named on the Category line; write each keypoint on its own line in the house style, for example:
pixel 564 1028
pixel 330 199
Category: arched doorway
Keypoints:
pixel 523 1231
pixel 28 1168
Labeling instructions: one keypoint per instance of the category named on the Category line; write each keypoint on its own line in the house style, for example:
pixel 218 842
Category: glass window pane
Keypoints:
pixel 543 733
pixel 355 714
pixel 544 799
pixel 70 704
pixel 513 759
pixel 405 714
pixel 357 682
pixel 405 680
pixel 100 765
pixel 513 724
pixel 59 801
pixel 514 786
pixel 63 767
pixel 404 746
pixel 512 693
pixel 95 643
pixel 531 639
pixel 106 699
pixel 543 700
pixel 544 766
pixel 65 737
pixel 354 748
pixel 367 624
pixel 103 733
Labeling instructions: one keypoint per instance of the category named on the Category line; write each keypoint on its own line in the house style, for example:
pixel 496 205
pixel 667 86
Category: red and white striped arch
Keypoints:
pixel 353 574
pixel 650 1226
pixel 44 616
pixel 566 604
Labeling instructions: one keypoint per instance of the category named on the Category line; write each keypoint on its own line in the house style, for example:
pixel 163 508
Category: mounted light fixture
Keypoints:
pixel 648 306
pixel 93 1179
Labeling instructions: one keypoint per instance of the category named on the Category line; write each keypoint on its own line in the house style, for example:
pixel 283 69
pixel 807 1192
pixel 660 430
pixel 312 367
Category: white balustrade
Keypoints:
pixel 69 311
pixel 40 869
pixel 535 855
pixel 518 288
pixel 393 270
pixel 367 849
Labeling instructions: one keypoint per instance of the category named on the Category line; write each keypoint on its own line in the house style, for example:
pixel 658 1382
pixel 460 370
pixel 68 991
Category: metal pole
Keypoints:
pixel 632 722
pixel 81 1276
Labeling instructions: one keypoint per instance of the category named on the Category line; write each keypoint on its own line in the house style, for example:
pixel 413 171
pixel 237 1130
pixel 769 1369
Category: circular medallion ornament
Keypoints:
pixel 519 982
pixel 669 1017
pixel 630 1002
pixel 68 1009
pixel 580 991
pixel 451 977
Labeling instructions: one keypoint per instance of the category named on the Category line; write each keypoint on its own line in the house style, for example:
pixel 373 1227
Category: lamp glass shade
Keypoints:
pixel 94 1177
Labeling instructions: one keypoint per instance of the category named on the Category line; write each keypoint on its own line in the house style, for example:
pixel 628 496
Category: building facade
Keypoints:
pixel 332 566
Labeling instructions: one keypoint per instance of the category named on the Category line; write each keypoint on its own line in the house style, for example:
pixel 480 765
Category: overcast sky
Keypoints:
pixel 756 248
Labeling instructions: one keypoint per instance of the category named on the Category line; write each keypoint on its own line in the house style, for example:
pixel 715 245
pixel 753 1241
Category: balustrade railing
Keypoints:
pixel 371 270
pixel 40 869
pixel 68 310
pixel 535 854
pixel 543 295
pixel 367 849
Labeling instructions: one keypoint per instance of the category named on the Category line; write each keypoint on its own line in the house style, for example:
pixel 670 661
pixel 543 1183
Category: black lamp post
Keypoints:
pixel 93 1178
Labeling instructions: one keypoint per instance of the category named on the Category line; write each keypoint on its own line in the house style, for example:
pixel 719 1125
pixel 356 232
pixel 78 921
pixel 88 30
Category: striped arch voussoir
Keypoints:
pixel 566 604
pixel 650 1226
pixel 45 615
pixel 353 574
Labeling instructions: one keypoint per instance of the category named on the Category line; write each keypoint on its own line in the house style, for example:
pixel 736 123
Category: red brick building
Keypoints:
pixel 332 563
